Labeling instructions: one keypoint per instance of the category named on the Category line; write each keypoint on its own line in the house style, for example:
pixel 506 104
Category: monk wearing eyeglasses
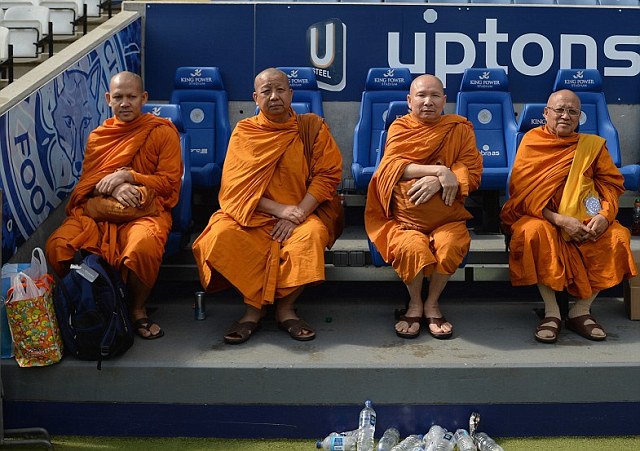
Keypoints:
pixel 561 216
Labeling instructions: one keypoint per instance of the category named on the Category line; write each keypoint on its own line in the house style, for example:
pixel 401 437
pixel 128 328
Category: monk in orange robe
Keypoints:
pixel 415 211
pixel 561 215
pixel 127 152
pixel 268 238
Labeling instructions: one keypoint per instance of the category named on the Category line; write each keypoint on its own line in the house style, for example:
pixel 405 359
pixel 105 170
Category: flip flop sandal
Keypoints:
pixel 410 320
pixel 295 329
pixel 578 326
pixel 240 332
pixel 438 322
pixel 146 323
pixel 554 329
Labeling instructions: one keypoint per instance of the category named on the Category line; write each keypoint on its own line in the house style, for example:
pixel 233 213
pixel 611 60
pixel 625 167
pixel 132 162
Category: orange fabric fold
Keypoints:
pixel 450 142
pixel 150 147
pixel 538 253
pixel 266 158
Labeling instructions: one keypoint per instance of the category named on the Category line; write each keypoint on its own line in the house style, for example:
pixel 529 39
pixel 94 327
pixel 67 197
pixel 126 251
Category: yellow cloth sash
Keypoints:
pixel 578 187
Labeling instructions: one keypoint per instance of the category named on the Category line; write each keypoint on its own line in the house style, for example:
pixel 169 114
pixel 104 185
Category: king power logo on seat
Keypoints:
pixel 327 46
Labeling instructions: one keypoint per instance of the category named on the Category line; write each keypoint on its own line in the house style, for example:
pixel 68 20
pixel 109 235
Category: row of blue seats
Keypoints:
pixel 485 100
pixel 199 109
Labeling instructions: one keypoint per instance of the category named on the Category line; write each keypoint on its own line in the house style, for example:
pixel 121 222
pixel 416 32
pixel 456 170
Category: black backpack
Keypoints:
pixel 91 306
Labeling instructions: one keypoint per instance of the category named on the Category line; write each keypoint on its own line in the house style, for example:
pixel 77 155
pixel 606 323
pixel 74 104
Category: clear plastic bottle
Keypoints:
pixel 409 444
pixel 367 427
pixel 352 433
pixel 442 443
pixel 635 222
pixel 435 432
pixel 337 442
pixel 463 441
pixel 389 439
pixel 486 443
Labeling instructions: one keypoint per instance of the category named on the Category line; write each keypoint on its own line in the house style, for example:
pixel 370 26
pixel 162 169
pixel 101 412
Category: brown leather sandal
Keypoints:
pixel 578 326
pixel 410 320
pixel 554 329
pixel 240 332
pixel 296 327
pixel 438 322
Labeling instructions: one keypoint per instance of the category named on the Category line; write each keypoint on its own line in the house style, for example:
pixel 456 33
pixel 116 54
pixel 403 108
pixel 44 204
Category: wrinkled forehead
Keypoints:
pixel 564 99
pixel 426 85
pixel 273 80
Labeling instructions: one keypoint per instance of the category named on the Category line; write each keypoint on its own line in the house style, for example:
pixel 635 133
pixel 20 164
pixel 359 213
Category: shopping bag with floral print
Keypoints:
pixel 32 320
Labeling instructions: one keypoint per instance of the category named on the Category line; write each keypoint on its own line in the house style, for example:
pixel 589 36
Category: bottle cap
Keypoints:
pixel 318 444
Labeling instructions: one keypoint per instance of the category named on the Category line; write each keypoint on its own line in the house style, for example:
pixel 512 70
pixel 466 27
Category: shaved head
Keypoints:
pixel 126 76
pixel 426 99
pixel 270 73
pixel 273 95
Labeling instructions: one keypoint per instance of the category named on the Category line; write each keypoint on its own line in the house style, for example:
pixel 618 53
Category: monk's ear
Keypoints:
pixel 255 97
pixel 107 97
pixel 145 97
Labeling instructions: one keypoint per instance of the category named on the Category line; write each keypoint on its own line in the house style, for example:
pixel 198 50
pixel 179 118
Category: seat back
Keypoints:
pixel 594 118
pixel 307 97
pixel 4 44
pixel 396 109
pixel 181 213
pixel 484 99
pixel 204 105
pixel 532 116
pixel 383 85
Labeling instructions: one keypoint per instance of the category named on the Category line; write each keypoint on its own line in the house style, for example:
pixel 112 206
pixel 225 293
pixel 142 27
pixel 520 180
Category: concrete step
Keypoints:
pixel 189 383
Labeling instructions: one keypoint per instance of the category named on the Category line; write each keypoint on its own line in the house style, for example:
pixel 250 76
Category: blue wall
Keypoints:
pixel 530 42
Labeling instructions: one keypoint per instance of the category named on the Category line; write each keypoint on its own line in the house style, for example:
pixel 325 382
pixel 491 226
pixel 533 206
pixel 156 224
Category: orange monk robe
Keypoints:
pixel 266 158
pixel 450 142
pixel 150 146
pixel 538 253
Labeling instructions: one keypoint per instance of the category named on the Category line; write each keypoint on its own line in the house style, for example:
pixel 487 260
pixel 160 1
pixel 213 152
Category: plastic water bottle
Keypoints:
pixel 463 441
pixel 409 444
pixel 337 442
pixel 635 223
pixel 435 432
pixel 486 443
pixel 352 433
pixel 442 443
pixel 389 439
pixel 367 427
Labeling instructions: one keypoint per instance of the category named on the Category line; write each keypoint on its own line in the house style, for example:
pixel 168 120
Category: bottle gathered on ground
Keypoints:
pixel 337 442
pixel 486 443
pixel 635 222
pixel 463 441
pixel 410 443
pixel 366 427
pixel 442 443
pixel 389 439
pixel 435 432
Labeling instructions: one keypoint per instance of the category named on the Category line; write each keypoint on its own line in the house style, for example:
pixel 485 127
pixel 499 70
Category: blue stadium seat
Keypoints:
pixel 203 100
pixel 595 119
pixel 396 109
pixel 383 85
pixel 532 116
pixel 307 97
pixel 484 99
pixel 181 213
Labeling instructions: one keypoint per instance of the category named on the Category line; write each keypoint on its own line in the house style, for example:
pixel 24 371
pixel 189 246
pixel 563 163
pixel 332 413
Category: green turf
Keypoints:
pixel 68 443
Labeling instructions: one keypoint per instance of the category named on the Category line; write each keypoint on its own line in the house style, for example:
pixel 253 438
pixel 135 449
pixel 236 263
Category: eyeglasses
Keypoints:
pixel 561 111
